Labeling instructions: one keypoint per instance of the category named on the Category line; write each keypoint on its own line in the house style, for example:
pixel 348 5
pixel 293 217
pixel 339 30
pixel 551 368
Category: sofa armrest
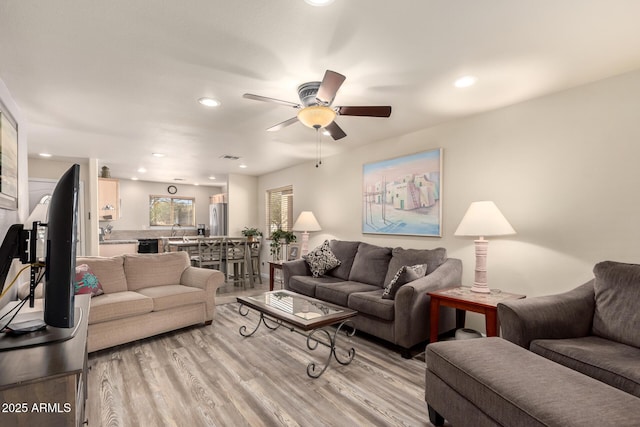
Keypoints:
pixel 298 267
pixel 566 315
pixel 207 279
pixel 412 320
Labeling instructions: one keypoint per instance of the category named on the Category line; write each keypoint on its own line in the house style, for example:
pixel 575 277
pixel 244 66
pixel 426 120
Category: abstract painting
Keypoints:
pixel 403 195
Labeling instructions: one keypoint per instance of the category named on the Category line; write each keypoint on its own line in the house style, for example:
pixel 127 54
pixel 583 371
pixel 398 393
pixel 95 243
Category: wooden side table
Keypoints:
pixel 273 265
pixel 462 299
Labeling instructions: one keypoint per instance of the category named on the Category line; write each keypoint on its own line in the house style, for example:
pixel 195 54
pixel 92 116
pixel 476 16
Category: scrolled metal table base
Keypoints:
pixel 314 370
pixel 263 320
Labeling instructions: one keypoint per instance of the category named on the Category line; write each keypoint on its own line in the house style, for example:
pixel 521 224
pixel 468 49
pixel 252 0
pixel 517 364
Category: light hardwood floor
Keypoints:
pixel 212 376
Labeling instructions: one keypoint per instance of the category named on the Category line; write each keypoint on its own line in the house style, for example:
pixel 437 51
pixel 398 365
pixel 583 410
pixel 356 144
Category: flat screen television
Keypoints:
pixel 60 263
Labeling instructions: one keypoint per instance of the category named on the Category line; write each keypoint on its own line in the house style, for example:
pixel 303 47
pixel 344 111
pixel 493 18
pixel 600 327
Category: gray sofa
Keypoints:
pixel 582 368
pixel 359 281
pixel 593 329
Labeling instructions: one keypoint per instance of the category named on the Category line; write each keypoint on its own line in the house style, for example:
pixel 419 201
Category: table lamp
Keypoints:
pixel 306 222
pixel 483 219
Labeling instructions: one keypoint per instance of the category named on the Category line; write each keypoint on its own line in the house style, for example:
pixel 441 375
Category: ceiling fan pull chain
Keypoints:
pixel 317 148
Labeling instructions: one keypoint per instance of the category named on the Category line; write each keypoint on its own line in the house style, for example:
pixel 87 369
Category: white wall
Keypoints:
pixel 134 196
pixel 562 168
pixel 9 217
pixel 243 193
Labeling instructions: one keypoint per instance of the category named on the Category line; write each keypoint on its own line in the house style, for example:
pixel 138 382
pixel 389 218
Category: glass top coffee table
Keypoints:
pixel 304 315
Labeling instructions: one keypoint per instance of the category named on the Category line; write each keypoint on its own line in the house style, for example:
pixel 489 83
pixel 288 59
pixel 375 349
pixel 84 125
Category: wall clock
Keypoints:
pixel 172 189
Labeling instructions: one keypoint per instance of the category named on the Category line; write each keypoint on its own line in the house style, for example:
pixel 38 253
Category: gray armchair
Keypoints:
pixel 593 329
pixel 566 315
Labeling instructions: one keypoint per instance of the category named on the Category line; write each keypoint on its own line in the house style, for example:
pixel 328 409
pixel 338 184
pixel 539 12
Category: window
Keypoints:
pixel 279 207
pixel 167 210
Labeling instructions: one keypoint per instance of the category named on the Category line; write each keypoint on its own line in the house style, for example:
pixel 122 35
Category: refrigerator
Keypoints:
pixel 218 219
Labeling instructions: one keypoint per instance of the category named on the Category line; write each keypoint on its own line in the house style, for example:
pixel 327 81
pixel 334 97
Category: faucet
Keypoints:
pixel 173 231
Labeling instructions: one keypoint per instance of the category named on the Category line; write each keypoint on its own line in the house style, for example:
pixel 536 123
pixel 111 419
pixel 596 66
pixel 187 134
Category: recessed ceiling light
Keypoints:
pixel 142 170
pixel 209 102
pixel 243 166
pixel 134 178
pixel 196 184
pixel 318 2
pixel 158 154
pixel 212 177
pixel 465 81
pixel 45 155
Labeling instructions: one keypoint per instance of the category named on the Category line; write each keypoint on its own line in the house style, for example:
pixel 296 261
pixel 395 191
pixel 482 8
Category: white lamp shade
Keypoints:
pixel 40 212
pixel 484 219
pixel 306 222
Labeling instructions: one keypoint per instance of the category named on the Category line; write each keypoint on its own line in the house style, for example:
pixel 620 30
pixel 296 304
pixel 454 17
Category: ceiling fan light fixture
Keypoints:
pixel 318 2
pixel 316 116
pixel 465 81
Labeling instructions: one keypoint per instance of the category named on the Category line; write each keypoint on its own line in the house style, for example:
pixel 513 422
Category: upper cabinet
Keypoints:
pixel 108 199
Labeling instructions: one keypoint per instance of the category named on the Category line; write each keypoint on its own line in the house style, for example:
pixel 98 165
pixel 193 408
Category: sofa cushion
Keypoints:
pixel 108 270
pixel 617 296
pixel 372 304
pixel 370 264
pixel 321 259
pixel 406 274
pixel 86 282
pixel 147 270
pixel 118 305
pixel 306 285
pixel 346 252
pixel 338 293
pixel 608 361
pixel 432 257
pixel 170 296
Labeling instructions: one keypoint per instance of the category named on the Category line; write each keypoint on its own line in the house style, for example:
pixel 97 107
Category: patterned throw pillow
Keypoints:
pixel 86 282
pixel 321 259
pixel 404 275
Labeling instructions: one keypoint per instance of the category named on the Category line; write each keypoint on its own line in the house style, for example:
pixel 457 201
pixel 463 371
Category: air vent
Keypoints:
pixel 229 157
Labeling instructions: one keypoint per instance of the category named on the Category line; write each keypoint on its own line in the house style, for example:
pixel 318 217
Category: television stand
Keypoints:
pixel 45 384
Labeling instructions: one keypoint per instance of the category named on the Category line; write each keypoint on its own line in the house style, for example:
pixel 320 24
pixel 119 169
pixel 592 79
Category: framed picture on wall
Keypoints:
pixel 8 162
pixel 403 195
pixel 294 251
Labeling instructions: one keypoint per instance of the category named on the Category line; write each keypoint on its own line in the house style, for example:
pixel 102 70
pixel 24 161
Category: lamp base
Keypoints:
pixel 304 247
pixel 480 289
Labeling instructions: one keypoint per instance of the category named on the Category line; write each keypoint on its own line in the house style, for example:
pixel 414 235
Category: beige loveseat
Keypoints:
pixel 148 294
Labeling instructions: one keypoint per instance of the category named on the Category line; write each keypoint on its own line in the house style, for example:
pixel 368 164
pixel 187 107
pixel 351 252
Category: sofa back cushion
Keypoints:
pixel 145 270
pixel 617 295
pixel 432 257
pixel 370 264
pixel 346 252
pixel 109 271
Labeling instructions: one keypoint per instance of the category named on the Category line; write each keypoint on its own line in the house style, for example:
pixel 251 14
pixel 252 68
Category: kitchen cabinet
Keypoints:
pixel 118 247
pixel 108 199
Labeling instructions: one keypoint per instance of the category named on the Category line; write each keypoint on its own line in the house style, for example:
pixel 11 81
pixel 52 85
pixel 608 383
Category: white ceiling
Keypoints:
pixel 118 79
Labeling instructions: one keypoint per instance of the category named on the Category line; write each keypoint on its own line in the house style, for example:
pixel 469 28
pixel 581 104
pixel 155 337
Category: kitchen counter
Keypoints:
pixel 118 247
pixel 118 242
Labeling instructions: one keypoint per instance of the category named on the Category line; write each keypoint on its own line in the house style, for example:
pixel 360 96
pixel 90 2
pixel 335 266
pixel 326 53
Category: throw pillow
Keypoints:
pixel 404 275
pixel 321 259
pixel 86 282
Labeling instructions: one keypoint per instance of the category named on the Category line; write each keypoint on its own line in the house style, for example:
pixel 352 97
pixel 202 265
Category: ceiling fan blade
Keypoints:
pixel 284 124
pixel 275 101
pixel 329 86
pixel 335 131
pixel 369 111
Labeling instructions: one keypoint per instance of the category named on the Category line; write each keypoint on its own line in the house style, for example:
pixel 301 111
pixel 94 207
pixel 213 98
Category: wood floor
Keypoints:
pixel 211 376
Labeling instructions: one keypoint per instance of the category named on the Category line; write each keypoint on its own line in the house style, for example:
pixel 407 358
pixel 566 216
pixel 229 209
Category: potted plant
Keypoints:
pixel 278 239
pixel 251 233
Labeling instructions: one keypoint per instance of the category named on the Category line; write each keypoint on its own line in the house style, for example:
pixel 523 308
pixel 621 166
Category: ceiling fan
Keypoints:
pixel 315 106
